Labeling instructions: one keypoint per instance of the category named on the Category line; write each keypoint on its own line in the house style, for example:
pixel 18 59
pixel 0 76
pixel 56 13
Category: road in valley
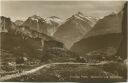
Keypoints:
pixel 7 77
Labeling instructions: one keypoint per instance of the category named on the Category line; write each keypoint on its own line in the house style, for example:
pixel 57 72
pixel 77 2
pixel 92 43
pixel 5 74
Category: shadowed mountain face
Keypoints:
pixel 122 51
pixel 106 33
pixel 97 42
pixel 35 23
pixel 20 47
pixel 16 43
pixel 109 24
pixel 73 29
pixel 27 32
pixel 6 25
pixel 21 40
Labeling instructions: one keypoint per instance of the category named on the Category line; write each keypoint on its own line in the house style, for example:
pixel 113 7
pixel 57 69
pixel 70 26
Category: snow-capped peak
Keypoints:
pixel 35 18
pixel 53 19
pixel 80 14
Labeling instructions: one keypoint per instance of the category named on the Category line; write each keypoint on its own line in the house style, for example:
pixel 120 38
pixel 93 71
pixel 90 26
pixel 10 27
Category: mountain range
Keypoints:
pixel 21 41
pixel 73 29
pixel 90 45
pixel 79 33
pixel 106 34
pixel 47 26
pixel 68 31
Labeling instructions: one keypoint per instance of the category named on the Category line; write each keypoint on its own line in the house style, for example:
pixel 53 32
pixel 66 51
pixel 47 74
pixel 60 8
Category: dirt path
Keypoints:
pixel 7 77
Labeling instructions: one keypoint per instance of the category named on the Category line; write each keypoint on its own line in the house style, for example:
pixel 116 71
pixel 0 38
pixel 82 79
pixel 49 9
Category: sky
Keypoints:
pixel 21 10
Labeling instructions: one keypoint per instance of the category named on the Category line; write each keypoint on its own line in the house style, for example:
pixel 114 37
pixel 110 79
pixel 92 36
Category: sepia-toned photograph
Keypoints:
pixel 63 41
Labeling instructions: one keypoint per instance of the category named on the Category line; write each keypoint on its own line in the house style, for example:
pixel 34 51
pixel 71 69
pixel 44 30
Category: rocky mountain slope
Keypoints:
pixel 122 51
pixel 6 25
pixel 35 23
pixel 107 33
pixel 52 23
pixel 16 43
pixel 73 29
pixel 21 41
pixel 19 22
pixel 47 26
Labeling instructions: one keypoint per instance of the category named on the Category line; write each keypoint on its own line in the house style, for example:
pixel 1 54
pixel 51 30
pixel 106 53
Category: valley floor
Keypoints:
pixel 46 70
